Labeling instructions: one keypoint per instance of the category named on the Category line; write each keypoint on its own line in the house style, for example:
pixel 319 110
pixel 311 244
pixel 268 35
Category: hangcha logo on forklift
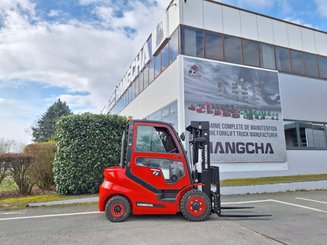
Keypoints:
pixel 144 204
pixel 149 205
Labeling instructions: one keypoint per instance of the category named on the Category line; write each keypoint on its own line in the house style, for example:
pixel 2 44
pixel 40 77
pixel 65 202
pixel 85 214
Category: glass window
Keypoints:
pixel 311 65
pixel 251 53
pixel 213 46
pixel 165 112
pixel 312 135
pixel 290 128
pixel 233 52
pixel 146 76
pixel 267 56
pixel 283 59
pixel 133 90
pixel 322 67
pixel 151 70
pixel 297 62
pixel 154 139
pixel 172 171
pixel 173 46
pixel 193 42
pixel 164 57
pixel 141 81
pixel 137 85
pixel 157 64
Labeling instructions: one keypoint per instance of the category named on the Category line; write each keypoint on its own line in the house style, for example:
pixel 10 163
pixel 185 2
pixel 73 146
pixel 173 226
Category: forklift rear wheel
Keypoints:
pixel 195 206
pixel 117 209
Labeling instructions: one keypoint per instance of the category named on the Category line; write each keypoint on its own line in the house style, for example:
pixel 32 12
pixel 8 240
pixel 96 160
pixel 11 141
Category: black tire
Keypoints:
pixel 117 209
pixel 195 206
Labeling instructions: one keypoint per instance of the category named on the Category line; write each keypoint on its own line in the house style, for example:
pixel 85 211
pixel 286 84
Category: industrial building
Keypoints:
pixel 261 82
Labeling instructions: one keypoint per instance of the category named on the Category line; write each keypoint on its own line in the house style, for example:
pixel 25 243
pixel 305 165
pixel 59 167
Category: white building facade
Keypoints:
pixel 260 82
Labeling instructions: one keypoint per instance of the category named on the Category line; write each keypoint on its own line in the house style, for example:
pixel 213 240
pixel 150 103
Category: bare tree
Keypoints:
pixel 6 145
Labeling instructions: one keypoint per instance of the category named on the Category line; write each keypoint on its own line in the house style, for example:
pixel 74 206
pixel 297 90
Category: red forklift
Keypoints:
pixel 155 177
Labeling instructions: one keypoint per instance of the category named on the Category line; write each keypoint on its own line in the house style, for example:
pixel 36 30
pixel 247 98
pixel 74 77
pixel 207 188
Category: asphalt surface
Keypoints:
pixel 297 218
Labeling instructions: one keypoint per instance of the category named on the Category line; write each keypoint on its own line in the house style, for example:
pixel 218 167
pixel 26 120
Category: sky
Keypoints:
pixel 78 50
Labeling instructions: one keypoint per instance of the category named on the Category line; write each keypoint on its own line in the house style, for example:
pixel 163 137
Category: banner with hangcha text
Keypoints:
pixel 243 107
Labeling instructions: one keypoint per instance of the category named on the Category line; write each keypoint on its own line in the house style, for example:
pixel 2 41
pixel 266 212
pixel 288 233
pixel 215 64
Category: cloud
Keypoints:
pixel 257 4
pixel 83 56
pixel 322 7
pixel 54 13
pixel 299 22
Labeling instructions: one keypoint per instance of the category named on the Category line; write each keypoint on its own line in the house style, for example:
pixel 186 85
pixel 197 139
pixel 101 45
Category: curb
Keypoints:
pixel 64 202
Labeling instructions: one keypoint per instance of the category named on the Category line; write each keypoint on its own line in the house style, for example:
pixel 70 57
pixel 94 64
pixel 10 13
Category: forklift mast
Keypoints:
pixel 203 172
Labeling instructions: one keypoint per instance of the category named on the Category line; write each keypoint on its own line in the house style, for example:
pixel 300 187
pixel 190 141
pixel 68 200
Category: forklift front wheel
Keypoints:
pixel 117 209
pixel 195 206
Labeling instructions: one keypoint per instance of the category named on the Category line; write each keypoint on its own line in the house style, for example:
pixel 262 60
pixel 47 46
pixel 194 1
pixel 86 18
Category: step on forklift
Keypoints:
pixel 154 175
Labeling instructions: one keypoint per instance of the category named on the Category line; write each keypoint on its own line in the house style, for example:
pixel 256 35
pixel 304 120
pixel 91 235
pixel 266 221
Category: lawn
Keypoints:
pixel 8 184
pixel 273 180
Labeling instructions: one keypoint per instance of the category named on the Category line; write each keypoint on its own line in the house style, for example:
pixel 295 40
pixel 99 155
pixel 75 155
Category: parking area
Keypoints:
pixel 297 218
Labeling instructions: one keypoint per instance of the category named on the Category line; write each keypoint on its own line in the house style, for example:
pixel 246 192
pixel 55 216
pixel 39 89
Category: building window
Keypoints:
pixel 141 81
pixel 151 70
pixel 146 76
pixel 311 65
pixel 193 42
pixel 133 90
pixel 251 53
pixel 232 50
pixel 297 62
pixel 213 46
pixel 283 59
pixel 305 135
pixel 165 57
pixel 322 67
pixel 267 56
pixel 173 46
pixel 137 84
pixel 290 128
pixel 167 114
pixel 157 65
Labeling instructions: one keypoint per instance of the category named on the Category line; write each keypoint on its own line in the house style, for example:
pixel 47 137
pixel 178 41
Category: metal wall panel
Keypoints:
pixel 306 102
pixel 308 40
pixel 294 37
pixel 231 21
pixel 321 43
pixel 265 30
pixel 192 13
pixel 249 27
pixel 213 19
pixel 280 33
pixel 173 17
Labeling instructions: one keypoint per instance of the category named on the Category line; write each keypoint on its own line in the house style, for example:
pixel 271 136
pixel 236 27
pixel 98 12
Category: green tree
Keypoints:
pixel 45 128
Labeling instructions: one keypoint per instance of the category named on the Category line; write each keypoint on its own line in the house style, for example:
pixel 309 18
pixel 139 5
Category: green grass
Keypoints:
pixel 273 180
pixel 8 184
pixel 23 201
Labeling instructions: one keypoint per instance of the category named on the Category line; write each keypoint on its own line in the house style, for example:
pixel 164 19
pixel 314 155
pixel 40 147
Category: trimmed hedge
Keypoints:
pixel 86 144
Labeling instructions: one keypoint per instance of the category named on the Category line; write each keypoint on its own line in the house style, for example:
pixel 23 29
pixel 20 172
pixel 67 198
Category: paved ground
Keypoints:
pixel 297 218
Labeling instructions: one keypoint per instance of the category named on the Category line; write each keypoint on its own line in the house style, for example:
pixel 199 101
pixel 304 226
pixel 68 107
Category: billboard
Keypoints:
pixel 243 107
